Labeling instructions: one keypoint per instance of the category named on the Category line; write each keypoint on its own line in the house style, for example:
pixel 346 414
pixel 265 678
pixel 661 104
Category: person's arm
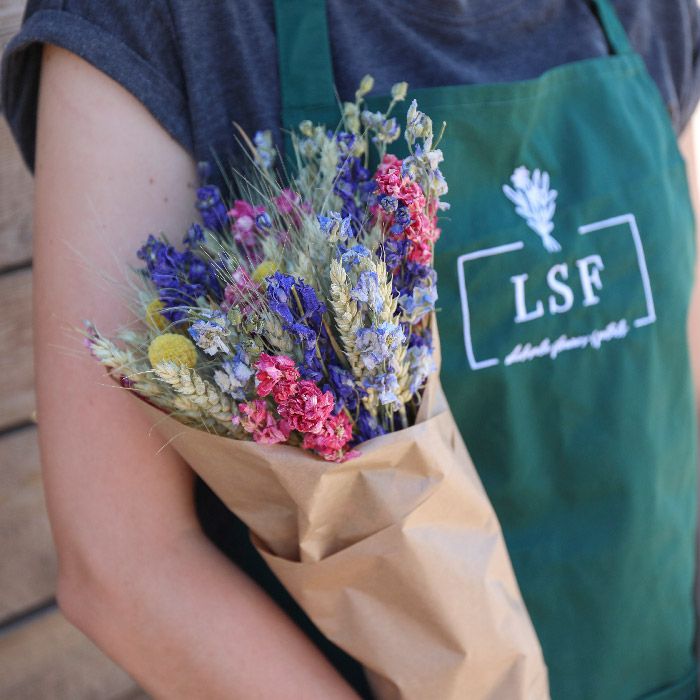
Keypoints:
pixel 694 321
pixel 689 149
pixel 136 573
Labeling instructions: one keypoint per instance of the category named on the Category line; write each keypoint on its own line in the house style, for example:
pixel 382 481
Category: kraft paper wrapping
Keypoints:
pixel 396 555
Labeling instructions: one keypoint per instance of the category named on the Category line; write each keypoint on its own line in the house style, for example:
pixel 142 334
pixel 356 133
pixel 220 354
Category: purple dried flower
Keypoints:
pixel 421 365
pixel 312 308
pixel 344 387
pixel 367 290
pixel 394 252
pixel 367 426
pixel 212 208
pixel 353 256
pixel 335 226
pixel 388 203
pixel 234 375
pixel 263 220
pixel 377 345
pixel 210 332
pixel 279 295
pixel 194 236
pixel 181 278
pixel 421 339
pixel 420 303
pixel 402 219
pixel 351 179
pixel 387 385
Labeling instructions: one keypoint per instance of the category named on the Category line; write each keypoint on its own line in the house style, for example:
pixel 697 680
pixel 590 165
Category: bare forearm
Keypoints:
pixel 188 625
pixel 136 574
pixel 689 150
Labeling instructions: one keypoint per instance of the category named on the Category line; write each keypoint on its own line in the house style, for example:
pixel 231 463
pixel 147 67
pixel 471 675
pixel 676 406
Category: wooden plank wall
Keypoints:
pixel 42 657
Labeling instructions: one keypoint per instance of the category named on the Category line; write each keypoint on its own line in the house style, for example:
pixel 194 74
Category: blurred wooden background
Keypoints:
pixel 42 657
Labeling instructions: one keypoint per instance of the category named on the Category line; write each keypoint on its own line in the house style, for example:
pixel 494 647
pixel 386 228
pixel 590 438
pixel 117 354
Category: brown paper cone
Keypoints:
pixel 396 555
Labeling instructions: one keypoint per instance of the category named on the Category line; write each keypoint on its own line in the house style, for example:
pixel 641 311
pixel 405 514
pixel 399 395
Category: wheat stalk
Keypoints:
pixel 195 394
pixel 388 315
pixel 109 354
pixel 390 302
pixel 402 374
pixel 346 311
pixel 122 364
pixel 276 336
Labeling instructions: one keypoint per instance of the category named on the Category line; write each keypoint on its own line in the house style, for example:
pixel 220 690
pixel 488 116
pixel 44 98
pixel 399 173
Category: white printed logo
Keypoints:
pixel 563 287
pixel 535 202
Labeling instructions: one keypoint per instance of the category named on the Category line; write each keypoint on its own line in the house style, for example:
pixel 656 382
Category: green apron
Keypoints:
pixel 565 269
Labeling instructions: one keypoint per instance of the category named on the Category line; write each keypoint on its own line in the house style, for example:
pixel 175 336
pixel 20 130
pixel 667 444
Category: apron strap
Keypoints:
pixel 612 27
pixel 304 55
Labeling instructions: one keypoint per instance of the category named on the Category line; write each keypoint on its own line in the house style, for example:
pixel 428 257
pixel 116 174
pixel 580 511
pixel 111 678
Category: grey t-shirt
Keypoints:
pixel 200 65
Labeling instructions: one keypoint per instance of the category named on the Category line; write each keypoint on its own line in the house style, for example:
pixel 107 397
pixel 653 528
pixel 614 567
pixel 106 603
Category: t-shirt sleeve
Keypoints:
pixel 667 35
pixel 133 43
pixel 691 90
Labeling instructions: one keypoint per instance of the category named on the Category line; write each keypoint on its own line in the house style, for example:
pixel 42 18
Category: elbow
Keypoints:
pixel 79 595
pixel 100 588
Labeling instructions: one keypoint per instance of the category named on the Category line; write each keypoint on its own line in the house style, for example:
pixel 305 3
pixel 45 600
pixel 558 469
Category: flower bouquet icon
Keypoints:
pixel 535 202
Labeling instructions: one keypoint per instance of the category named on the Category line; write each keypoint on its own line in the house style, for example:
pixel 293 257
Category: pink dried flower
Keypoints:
pixel 411 194
pixel 330 442
pixel 283 390
pixel 422 229
pixel 432 232
pixel 273 432
pixel 389 161
pixel 389 179
pixel 276 375
pixel 254 417
pixel 289 204
pixel 244 231
pixel 287 201
pixel 243 208
pixel 420 253
pixel 307 407
pixel 242 291
pixel 243 216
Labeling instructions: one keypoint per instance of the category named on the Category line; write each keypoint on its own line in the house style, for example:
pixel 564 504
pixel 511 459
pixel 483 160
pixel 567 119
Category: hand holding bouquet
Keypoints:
pixel 298 324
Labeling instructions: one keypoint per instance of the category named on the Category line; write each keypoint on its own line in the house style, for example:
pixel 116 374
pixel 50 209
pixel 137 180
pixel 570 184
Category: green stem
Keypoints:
pixel 440 135
pixel 334 344
pixel 404 419
pixel 318 352
pixel 348 414
pixel 323 364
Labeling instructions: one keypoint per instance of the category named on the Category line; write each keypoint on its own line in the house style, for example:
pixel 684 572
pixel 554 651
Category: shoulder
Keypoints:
pixel 195 66
pixel 135 45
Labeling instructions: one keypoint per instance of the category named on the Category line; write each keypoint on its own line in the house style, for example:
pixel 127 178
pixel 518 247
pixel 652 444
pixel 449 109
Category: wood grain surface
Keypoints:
pixel 48 659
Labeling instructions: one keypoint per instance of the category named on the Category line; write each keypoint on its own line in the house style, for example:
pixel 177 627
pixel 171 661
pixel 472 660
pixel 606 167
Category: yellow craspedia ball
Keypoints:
pixel 171 347
pixel 154 318
pixel 263 270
